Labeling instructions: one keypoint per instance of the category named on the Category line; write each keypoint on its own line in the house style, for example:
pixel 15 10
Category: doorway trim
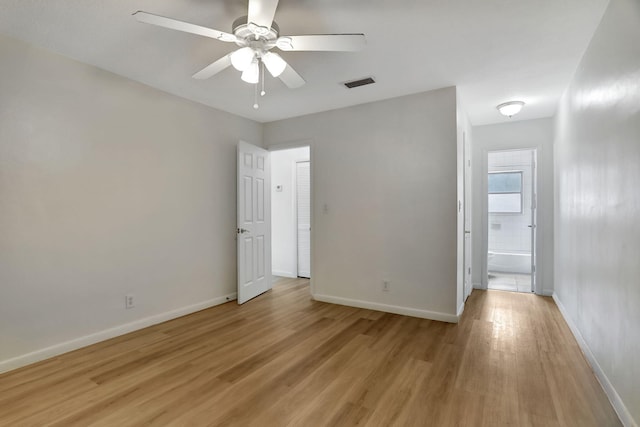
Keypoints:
pixel 535 276
pixel 296 201
pixel 298 144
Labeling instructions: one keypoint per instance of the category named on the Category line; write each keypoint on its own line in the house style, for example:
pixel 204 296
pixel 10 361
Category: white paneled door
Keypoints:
pixel 303 202
pixel 254 222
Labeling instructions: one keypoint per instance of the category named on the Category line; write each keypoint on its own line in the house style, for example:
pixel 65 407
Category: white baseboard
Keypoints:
pixel 477 286
pixel 58 349
pixel 617 403
pixel 283 274
pixel 414 312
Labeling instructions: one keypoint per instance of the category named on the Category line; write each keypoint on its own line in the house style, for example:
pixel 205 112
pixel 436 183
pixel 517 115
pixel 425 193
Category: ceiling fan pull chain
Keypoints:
pixel 255 97
pixel 263 93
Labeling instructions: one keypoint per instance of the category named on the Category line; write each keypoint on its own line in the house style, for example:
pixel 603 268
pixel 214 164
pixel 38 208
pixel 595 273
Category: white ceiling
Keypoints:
pixel 493 50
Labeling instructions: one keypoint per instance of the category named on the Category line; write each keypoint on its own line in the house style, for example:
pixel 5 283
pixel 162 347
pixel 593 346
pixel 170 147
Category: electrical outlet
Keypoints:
pixel 386 285
pixel 129 301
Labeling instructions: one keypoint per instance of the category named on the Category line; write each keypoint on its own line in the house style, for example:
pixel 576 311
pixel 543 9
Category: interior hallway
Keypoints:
pixel 284 359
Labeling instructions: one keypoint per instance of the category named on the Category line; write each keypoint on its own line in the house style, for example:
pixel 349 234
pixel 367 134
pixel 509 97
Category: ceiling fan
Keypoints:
pixel 256 35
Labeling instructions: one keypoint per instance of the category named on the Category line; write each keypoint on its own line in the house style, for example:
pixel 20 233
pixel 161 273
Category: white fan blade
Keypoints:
pixel 261 12
pixel 326 42
pixel 212 69
pixel 291 78
pixel 161 21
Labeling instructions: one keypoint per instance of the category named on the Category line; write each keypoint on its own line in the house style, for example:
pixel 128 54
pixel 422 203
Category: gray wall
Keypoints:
pixel 108 187
pixel 521 134
pixel 384 201
pixel 597 217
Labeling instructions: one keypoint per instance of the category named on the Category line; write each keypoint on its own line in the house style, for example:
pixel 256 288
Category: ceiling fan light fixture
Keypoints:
pixel 252 73
pixel 510 108
pixel 274 63
pixel 242 58
pixel 255 35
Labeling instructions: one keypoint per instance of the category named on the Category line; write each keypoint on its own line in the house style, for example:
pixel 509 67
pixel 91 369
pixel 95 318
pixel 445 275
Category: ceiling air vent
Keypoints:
pixel 361 82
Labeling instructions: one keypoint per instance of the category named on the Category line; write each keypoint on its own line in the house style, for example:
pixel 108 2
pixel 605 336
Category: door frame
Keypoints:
pixel 485 215
pixel 295 202
pixel 299 144
pixel 467 263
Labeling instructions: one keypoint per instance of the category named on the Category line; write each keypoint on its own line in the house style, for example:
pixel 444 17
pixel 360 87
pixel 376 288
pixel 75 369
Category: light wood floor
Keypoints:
pixel 285 360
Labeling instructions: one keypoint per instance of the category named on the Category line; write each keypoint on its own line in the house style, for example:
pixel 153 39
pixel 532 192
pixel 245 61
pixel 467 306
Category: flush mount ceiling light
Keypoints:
pixel 256 34
pixel 510 108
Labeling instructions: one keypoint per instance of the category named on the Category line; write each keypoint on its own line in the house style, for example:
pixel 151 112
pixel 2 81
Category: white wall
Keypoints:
pixel 597 218
pixel 520 134
pixel 284 243
pixel 107 187
pixel 384 182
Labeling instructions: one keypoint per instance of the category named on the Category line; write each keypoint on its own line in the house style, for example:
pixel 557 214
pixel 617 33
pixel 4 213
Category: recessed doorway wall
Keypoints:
pixel 523 134
pixel 291 212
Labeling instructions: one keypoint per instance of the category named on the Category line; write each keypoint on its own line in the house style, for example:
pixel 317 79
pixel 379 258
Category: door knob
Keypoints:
pixel 242 230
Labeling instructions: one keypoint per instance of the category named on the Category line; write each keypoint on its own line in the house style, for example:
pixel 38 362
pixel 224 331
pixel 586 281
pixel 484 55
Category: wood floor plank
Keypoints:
pixel 398 393
pixel 283 359
pixel 270 352
pixel 339 368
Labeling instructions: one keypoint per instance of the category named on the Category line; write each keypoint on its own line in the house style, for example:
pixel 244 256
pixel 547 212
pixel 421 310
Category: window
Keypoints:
pixel 505 192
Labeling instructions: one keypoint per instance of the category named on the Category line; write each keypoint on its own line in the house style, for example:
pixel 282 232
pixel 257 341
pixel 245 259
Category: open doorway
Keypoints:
pixel 291 212
pixel 511 196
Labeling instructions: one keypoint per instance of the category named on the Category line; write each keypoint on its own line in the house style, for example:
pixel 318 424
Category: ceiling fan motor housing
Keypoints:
pixel 250 34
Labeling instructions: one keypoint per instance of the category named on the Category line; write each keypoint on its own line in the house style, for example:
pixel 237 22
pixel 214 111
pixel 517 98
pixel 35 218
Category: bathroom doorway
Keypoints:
pixel 511 202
